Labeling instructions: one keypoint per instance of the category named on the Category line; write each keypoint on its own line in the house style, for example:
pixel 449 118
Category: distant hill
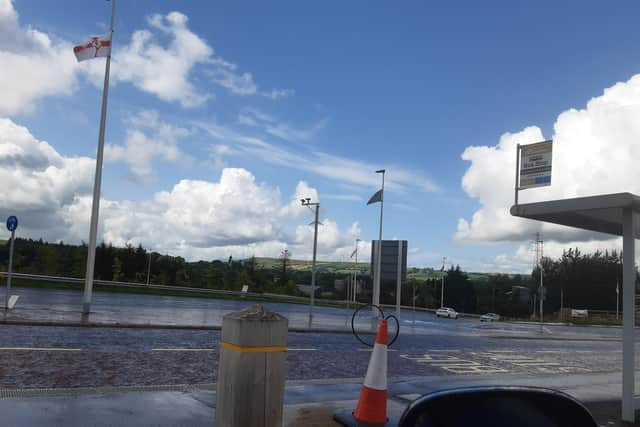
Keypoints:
pixel 363 268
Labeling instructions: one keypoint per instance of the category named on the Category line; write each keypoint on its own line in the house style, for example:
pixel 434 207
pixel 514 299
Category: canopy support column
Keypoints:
pixel 628 310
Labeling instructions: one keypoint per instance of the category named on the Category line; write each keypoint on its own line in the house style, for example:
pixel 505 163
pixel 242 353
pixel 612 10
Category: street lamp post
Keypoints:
pixel 355 274
pixel 377 278
pixel 149 269
pixel 444 258
pixel 307 202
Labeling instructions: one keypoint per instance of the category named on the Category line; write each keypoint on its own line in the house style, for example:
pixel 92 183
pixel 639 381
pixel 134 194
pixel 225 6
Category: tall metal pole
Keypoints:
pixel 93 231
pixel 517 172
pixel 355 274
pixel 149 269
pixel 313 266
pixel 376 286
pixel 539 244
pixel 399 280
pixel 13 238
pixel 628 314
pixel 617 299
pixel 444 258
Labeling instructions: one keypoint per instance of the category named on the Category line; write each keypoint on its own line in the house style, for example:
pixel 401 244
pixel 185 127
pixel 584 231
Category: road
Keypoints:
pixel 54 305
pixel 58 357
pixel 48 357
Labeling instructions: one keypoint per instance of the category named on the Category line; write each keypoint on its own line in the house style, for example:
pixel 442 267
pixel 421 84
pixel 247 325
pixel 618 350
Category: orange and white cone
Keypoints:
pixel 371 410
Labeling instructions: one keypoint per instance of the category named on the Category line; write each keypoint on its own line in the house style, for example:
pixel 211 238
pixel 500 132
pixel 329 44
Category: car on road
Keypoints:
pixel 489 317
pixel 447 312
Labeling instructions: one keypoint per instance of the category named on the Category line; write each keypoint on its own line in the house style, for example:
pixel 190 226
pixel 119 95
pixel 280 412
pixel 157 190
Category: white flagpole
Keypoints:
pixel 95 207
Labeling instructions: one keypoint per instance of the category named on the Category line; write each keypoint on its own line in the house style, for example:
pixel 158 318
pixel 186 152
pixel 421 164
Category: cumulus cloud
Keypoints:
pixel 164 70
pixel 148 138
pixel 39 185
pixel 595 152
pixel 28 57
pixel 235 215
pixel 163 59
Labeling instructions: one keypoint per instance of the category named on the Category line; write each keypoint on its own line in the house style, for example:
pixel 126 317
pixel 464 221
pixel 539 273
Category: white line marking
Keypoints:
pixel 38 349
pixel 212 349
pixel 370 349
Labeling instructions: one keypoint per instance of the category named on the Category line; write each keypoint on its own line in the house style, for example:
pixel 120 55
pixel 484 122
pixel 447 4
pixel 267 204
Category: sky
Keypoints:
pixel 223 115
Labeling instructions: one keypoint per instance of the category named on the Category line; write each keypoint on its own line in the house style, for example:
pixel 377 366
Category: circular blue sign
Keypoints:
pixel 12 223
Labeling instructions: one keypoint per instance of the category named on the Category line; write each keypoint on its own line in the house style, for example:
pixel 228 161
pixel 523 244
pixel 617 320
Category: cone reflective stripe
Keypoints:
pixel 372 406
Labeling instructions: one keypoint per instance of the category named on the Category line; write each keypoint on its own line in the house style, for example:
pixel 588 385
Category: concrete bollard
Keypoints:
pixel 251 369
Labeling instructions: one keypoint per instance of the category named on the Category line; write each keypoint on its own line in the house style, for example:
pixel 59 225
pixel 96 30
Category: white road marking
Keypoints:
pixel 38 349
pixel 213 349
pixel 370 349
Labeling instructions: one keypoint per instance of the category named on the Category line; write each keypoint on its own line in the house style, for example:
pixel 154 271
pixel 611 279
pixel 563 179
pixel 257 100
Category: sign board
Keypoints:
pixel 389 259
pixel 535 164
pixel 12 223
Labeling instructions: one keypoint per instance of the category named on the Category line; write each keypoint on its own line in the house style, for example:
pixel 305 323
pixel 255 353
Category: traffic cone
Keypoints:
pixel 371 410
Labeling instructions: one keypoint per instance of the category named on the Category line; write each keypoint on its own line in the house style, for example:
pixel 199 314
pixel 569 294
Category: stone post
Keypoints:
pixel 251 369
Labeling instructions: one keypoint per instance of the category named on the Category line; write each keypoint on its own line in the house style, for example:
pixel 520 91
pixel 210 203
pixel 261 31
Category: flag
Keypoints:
pixel 375 198
pixel 95 47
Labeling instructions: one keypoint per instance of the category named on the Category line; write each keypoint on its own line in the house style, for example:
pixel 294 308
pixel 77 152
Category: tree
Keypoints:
pixel 284 267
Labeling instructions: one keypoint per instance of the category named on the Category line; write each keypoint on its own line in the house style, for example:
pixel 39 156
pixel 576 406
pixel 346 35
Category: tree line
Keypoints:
pixel 574 280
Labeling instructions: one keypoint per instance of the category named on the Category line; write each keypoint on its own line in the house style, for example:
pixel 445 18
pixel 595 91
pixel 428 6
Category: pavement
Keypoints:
pixel 306 403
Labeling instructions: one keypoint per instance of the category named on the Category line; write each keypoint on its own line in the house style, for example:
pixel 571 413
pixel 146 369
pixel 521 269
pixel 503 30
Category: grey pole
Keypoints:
pixel 149 269
pixel 617 299
pixel 93 231
pixel 399 281
pixel 313 267
pixel 517 172
pixel 444 258
pixel 376 286
pixel 628 314
pixel 13 238
pixel 355 274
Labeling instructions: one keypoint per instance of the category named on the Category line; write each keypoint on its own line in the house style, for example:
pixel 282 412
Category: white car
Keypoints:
pixel 489 317
pixel 447 312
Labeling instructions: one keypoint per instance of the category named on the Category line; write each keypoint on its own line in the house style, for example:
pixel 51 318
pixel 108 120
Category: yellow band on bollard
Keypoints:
pixel 267 349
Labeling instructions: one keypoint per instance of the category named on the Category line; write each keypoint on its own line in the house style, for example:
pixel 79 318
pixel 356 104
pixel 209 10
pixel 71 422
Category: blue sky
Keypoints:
pixel 334 90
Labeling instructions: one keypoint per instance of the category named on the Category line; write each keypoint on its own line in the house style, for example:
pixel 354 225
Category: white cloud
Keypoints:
pixel 523 259
pixel 39 185
pixel 256 118
pixel 148 139
pixel 162 70
pixel 333 243
pixel 33 66
pixel 236 215
pixel 303 191
pixel 225 74
pixel 595 152
pixel 330 166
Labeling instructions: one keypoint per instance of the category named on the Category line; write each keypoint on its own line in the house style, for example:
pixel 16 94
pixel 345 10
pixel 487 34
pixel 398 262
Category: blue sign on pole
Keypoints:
pixel 12 223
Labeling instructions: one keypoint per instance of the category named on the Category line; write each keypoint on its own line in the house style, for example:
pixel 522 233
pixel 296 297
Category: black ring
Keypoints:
pixel 397 329
pixel 353 318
